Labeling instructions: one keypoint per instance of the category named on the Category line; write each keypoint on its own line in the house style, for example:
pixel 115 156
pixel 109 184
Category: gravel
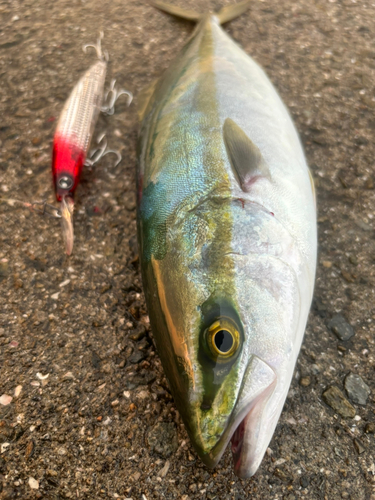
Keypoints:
pixel 321 57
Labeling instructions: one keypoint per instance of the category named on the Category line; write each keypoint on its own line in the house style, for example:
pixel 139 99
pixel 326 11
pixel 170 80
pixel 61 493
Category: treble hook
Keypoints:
pixel 101 151
pixel 47 208
pixel 102 55
pixel 109 109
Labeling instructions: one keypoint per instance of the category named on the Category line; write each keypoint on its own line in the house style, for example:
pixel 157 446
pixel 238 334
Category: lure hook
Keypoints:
pixel 102 55
pixel 46 208
pixel 114 94
pixel 98 153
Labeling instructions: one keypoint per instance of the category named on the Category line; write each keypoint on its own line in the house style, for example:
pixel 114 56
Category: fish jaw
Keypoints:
pixel 245 426
pixel 252 435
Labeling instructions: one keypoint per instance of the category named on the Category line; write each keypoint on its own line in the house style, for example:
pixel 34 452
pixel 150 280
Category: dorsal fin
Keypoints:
pixel 245 158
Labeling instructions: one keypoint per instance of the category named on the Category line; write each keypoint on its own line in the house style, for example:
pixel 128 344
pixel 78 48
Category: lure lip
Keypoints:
pixel 66 210
pixel 258 385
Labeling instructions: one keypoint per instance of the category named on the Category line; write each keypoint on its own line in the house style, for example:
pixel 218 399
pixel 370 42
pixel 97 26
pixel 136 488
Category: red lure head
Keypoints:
pixel 67 163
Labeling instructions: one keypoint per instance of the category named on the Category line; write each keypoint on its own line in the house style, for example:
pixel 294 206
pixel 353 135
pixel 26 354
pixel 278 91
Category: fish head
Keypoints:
pixel 224 309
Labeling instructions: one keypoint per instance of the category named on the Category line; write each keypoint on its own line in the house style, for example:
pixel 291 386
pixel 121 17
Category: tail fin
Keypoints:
pixel 224 15
pixel 230 12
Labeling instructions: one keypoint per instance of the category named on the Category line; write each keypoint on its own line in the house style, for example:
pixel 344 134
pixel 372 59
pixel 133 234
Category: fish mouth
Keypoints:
pixel 248 429
pixel 248 446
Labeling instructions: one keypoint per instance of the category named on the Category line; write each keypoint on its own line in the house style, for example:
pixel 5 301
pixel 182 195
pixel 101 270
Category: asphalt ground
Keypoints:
pixel 91 415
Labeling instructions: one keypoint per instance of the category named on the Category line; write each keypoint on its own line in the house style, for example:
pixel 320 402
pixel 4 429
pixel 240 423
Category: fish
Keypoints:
pixel 73 137
pixel 227 234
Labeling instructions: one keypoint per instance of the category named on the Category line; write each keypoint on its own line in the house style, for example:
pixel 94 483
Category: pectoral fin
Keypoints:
pixel 245 158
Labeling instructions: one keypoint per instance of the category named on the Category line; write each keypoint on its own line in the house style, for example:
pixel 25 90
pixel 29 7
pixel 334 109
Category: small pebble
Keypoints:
pixel 353 260
pixel 164 471
pixel 18 283
pixel 334 398
pixel 280 461
pixel 36 141
pixel 137 356
pixel 29 449
pixel 33 483
pixel 359 446
pixel 315 369
pixel 305 381
pixel 340 327
pixel 370 428
pixel 4 447
pixel 5 399
pixel 347 276
pixel 281 474
pixel 357 390
pixel 138 334
pixel 64 283
pixel 143 395
pixel 163 439
pixel 304 482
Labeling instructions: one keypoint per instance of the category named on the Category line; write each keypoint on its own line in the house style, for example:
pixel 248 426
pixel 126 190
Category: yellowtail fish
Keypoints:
pixel 227 233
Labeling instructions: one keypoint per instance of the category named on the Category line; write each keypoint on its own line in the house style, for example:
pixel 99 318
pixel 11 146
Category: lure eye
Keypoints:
pixel 223 339
pixel 65 182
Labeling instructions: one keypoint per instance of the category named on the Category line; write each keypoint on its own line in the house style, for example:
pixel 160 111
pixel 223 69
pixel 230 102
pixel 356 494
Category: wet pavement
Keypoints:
pixel 85 410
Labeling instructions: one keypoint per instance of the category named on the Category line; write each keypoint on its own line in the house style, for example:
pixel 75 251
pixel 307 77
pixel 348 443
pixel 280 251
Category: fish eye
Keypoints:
pixel 223 339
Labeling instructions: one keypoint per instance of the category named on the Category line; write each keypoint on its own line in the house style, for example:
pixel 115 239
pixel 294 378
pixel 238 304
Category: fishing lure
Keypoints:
pixel 73 137
pixel 227 238
pixel 72 141
pixel 74 133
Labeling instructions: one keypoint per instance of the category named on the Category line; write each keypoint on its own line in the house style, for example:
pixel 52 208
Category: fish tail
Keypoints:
pixel 230 12
pixel 189 15
pixel 224 15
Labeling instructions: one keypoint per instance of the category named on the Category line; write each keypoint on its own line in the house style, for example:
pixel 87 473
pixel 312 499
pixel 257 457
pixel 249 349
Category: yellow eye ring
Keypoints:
pixel 223 339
